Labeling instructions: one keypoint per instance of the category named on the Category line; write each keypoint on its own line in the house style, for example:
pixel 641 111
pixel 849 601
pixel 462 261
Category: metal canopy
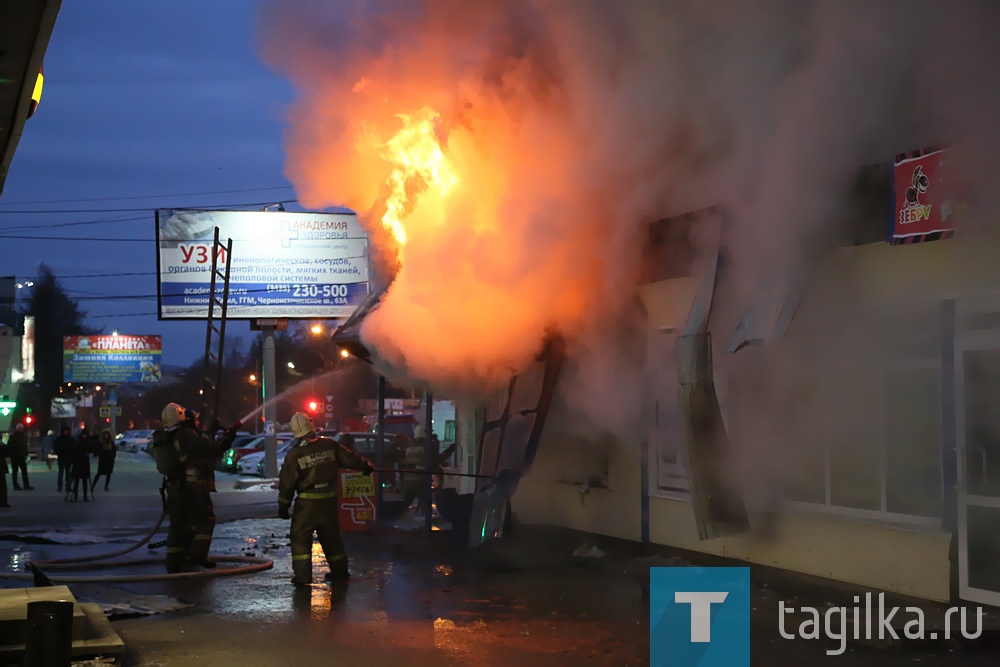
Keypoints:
pixel 348 334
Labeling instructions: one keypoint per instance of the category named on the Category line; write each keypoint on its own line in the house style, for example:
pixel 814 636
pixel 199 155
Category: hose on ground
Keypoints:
pixel 251 564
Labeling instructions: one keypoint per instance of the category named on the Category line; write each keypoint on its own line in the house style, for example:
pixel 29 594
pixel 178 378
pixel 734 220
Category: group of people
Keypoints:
pixel 73 461
pixel 72 454
pixel 186 455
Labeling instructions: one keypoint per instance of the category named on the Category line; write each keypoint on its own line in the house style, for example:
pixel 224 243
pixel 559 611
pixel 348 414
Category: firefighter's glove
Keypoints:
pixel 367 470
pixel 283 512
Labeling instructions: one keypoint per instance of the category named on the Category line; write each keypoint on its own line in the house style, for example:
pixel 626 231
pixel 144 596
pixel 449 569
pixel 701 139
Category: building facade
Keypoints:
pixel 863 438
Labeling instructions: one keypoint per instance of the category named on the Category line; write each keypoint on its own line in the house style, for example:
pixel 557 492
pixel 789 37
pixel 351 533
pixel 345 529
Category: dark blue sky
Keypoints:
pixel 141 98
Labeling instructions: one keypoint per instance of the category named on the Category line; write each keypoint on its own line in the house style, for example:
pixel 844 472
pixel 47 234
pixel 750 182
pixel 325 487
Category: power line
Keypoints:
pixel 100 221
pixel 144 209
pixel 183 194
pixel 83 238
pixel 100 317
pixel 106 275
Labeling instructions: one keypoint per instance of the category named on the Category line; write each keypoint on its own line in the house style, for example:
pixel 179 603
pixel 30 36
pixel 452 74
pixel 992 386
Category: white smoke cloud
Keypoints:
pixel 581 121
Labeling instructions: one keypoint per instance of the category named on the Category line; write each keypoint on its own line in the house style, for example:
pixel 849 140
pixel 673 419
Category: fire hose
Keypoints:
pixel 250 565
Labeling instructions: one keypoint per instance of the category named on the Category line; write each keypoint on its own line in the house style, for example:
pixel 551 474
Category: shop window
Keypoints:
pixel 585 460
pixel 665 428
pixel 865 441
pixel 913 440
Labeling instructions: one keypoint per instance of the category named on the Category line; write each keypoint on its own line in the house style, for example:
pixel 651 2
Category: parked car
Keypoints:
pixel 252 463
pixel 242 446
pixel 364 444
pixel 135 441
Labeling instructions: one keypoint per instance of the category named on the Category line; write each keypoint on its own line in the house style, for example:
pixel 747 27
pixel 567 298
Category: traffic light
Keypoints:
pixel 314 406
pixel 28 419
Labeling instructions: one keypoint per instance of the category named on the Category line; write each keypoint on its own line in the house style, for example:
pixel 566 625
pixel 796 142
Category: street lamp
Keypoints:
pixel 291 365
pixel 317 329
pixel 344 354
pixel 253 378
pixel 115 332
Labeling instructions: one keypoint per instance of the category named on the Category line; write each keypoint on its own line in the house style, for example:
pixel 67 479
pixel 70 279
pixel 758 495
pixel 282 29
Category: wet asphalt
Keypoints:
pixel 413 600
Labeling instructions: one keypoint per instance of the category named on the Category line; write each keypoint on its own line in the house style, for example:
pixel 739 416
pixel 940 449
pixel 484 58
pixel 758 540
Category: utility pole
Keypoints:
pixel 430 458
pixel 113 405
pixel 379 441
pixel 269 378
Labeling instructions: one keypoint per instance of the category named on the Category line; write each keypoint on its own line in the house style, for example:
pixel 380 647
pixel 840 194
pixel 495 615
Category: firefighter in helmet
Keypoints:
pixel 200 476
pixel 309 476
pixel 182 454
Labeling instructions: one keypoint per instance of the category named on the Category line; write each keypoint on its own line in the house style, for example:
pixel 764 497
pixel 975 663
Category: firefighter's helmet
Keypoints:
pixel 302 425
pixel 172 415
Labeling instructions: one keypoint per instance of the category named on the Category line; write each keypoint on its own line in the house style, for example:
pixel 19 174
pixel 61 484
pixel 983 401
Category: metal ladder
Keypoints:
pixel 217 309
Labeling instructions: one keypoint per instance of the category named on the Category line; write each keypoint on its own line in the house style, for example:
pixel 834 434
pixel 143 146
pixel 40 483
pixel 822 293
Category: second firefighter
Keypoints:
pixel 309 476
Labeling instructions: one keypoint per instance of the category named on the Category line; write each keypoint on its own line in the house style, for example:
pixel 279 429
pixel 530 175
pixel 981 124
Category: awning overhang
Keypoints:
pixel 25 30
pixel 348 335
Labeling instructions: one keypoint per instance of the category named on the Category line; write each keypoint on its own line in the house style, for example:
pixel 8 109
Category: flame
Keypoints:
pixel 494 200
pixel 418 163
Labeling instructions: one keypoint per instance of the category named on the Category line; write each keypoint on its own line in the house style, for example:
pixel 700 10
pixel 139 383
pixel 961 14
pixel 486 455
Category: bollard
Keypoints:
pixel 49 634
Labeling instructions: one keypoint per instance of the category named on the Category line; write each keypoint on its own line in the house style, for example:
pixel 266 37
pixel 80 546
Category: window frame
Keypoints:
pixel 666 480
pixel 882 515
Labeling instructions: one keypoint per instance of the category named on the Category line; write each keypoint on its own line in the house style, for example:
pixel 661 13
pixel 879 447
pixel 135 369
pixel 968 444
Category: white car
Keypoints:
pixel 135 441
pixel 251 463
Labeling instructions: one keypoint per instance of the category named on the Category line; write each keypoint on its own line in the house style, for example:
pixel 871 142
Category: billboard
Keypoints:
pixel 924 202
pixel 111 359
pixel 284 265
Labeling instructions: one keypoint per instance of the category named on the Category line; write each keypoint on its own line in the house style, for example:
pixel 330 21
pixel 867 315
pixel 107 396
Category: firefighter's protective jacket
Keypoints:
pixel 183 455
pixel 311 469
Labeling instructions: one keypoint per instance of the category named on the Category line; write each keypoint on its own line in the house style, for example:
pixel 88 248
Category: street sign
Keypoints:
pixel 329 398
pixel 329 408
pixel 7 407
pixel 279 325
pixel 63 408
pixel 356 498
pixel 104 411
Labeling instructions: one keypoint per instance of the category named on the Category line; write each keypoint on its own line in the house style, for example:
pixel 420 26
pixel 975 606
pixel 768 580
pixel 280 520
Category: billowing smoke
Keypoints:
pixel 564 127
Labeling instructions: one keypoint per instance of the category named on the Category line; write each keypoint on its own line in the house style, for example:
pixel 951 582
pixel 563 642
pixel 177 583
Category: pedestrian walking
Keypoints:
pixel 17 447
pixel 63 449
pixel 309 476
pixel 47 444
pixel 106 453
pixel 80 467
pixel 3 476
